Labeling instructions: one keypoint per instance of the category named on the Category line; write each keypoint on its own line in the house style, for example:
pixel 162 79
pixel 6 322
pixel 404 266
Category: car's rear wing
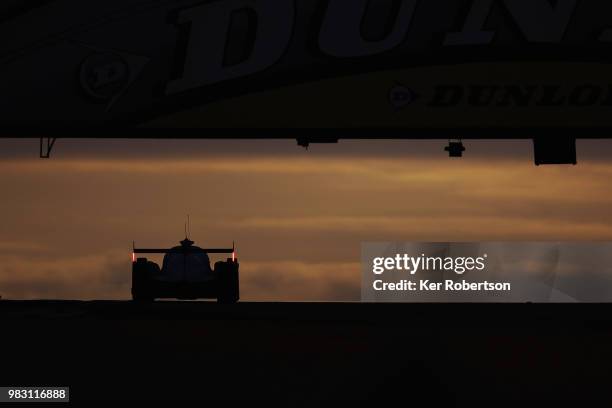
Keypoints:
pixel 182 250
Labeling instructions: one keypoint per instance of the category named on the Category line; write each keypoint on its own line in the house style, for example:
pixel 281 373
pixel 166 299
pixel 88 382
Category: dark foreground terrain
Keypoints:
pixel 309 354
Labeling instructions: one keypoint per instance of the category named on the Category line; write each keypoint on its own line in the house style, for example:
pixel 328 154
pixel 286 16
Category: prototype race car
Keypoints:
pixel 185 274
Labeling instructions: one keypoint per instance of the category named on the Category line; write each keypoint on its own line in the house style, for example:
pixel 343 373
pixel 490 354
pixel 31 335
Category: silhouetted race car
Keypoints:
pixel 185 274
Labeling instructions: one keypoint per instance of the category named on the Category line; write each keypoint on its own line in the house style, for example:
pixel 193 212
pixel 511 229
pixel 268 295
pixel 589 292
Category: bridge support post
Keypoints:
pixel 46 145
pixel 554 150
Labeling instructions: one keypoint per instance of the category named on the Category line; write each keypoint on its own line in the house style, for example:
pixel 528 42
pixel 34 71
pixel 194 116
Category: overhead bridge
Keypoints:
pixel 317 71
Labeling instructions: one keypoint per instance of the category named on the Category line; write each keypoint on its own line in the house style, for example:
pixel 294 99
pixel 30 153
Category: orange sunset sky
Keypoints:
pixel 298 217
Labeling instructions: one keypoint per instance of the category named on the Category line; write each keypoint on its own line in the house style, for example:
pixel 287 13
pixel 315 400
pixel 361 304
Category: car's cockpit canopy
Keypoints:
pixel 186 262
